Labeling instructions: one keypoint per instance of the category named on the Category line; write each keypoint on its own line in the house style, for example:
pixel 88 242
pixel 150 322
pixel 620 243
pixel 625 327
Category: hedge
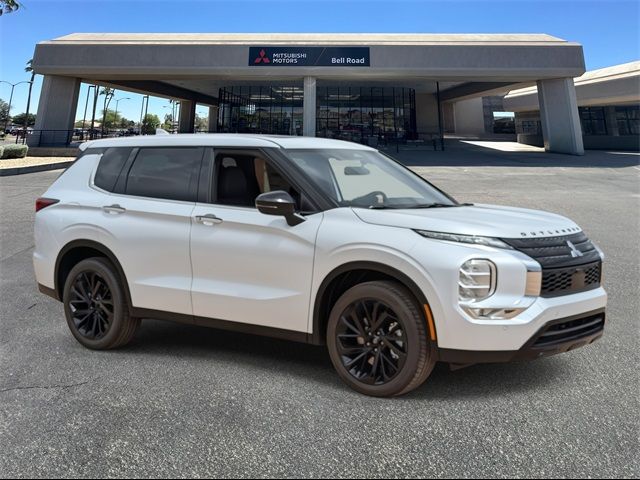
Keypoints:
pixel 14 151
pixel 1 150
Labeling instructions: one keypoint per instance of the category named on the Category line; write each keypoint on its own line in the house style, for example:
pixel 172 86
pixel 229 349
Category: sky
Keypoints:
pixel 608 29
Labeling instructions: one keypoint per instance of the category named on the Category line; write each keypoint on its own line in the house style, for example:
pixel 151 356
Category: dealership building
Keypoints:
pixel 608 107
pixel 359 87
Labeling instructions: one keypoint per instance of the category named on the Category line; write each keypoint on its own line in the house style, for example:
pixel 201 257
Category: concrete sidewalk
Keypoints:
pixel 470 153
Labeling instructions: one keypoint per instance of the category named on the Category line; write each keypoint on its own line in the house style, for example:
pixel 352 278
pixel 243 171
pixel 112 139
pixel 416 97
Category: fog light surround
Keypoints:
pixel 493 313
pixel 477 280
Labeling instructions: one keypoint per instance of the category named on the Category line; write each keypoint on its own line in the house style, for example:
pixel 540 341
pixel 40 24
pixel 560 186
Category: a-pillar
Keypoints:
pixel 56 112
pixel 309 107
pixel 559 116
pixel 187 119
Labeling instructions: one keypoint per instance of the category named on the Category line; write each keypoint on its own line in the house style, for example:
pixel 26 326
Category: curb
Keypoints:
pixel 6 172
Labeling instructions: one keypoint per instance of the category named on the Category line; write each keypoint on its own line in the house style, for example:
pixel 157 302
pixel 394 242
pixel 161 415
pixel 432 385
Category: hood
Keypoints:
pixel 484 220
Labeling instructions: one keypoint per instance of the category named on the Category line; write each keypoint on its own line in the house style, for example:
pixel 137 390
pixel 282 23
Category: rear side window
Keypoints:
pixel 110 166
pixel 168 173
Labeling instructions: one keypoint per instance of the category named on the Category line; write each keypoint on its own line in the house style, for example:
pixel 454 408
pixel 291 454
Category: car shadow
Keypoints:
pixel 313 364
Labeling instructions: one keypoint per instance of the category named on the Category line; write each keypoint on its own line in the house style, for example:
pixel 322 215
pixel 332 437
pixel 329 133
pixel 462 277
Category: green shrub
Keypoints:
pixel 1 150
pixel 14 151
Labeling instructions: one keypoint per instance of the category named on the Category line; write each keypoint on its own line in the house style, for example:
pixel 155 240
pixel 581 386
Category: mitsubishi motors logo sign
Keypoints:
pixel 262 57
pixel 304 56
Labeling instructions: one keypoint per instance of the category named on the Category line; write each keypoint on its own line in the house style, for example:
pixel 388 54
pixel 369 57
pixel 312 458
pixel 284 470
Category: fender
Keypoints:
pixel 95 246
pixel 317 337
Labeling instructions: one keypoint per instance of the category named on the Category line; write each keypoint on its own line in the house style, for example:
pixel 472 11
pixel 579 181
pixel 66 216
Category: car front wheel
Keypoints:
pixel 377 339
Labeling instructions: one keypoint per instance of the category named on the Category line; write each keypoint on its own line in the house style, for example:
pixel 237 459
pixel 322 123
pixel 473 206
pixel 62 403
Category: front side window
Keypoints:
pixel 240 176
pixel 367 179
pixel 167 173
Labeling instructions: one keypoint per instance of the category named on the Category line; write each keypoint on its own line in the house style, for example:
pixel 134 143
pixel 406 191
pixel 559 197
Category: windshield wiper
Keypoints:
pixel 440 205
pixel 379 207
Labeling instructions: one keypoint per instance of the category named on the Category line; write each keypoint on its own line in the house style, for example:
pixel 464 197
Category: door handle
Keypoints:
pixel 209 219
pixel 114 208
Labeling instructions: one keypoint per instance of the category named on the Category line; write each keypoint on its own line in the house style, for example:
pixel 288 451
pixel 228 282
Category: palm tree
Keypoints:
pixel 108 95
pixel 8 6
pixel 29 69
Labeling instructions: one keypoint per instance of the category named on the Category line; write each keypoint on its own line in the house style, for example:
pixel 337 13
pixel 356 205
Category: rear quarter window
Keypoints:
pixel 110 166
pixel 166 173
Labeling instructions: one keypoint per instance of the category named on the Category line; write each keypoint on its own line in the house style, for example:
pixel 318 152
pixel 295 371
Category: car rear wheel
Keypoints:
pixel 377 339
pixel 96 307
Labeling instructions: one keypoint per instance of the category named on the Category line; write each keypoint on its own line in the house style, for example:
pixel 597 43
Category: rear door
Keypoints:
pixel 249 267
pixel 146 223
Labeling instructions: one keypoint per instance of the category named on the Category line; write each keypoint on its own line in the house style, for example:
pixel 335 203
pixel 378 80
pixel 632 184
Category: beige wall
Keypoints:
pixel 426 113
pixel 469 117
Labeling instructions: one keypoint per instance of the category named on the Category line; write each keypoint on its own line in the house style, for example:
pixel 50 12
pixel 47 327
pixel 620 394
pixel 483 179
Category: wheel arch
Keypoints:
pixel 78 250
pixel 344 277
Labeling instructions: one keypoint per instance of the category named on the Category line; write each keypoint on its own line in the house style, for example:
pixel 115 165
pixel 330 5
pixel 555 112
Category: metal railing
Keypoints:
pixel 65 138
pixel 388 140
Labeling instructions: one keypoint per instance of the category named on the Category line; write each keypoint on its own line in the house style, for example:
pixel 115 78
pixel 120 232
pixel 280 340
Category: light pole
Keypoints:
pixel 145 100
pixel 13 85
pixel 116 115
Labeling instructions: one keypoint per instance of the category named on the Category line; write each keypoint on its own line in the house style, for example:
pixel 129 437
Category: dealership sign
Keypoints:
pixel 309 56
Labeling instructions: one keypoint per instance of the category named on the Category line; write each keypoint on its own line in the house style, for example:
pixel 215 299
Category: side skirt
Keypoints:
pixel 279 333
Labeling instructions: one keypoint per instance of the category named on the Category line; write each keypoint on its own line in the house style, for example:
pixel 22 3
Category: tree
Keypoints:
pixel 8 6
pixel 4 112
pixel 110 119
pixel 202 123
pixel 108 95
pixel 168 122
pixel 21 119
pixel 150 123
pixel 29 69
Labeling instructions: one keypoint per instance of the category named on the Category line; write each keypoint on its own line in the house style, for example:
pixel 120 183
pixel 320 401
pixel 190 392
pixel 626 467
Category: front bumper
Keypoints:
pixel 557 336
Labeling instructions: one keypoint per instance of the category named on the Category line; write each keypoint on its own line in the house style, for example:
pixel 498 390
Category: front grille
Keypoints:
pixel 570 331
pixel 555 252
pixel 561 281
pixel 564 270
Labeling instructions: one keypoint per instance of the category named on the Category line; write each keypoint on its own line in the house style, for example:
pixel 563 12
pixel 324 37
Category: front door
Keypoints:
pixel 249 267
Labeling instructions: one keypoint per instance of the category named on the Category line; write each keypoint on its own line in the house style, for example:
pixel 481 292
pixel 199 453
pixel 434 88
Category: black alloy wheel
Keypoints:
pixel 377 339
pixel 371 341
pixel 96 305
pixel 91 305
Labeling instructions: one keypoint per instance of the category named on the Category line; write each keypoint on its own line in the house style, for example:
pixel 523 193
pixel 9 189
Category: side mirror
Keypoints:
pixel 279 203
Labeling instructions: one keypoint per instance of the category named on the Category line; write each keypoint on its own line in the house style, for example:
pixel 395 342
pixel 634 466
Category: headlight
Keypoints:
pixel 477 281
pixel 473 239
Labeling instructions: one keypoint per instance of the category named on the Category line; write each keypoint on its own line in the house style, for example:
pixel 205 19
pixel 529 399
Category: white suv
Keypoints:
pixel 313 240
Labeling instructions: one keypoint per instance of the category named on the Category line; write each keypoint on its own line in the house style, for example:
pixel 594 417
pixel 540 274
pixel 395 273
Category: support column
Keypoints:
pixel 309 107
pixel 213 119
pixel 611 121
pixel 187 118
pixel 559 116
pixel 56 112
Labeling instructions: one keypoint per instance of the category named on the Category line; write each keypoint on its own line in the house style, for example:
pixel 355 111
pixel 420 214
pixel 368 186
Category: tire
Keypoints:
pixel 363 358
pixel 96 306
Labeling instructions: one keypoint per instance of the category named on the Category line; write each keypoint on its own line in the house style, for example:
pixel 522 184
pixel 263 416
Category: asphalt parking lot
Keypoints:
pixel 187 401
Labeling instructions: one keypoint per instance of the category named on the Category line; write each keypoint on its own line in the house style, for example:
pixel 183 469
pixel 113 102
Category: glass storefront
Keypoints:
pixel 258 109
pixel 357 114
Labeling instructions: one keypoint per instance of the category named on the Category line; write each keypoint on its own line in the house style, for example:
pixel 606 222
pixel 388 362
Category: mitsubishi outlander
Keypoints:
pixel 312 240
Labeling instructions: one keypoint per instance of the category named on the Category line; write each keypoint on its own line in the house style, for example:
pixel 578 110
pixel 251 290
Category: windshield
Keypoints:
pixel 367 179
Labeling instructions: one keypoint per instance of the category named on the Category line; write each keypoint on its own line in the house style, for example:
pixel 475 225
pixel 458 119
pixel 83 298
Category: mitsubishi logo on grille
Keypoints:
pixel 262 58
pixel 575 253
